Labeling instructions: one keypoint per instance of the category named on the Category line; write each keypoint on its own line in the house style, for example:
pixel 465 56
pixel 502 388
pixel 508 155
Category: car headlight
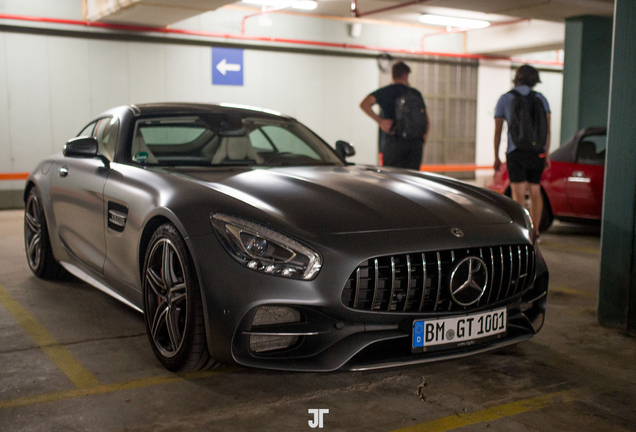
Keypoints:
pixel 265 250
pixel 530 225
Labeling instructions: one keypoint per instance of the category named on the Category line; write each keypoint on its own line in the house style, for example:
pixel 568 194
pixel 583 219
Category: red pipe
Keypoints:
pixel 164 30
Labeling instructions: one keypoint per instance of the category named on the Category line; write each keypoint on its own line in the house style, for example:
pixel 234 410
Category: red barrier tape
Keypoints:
pixel 13 176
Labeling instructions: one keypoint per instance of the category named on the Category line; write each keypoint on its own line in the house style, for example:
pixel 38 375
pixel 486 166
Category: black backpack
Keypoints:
pixel 410 116
pixel 528 122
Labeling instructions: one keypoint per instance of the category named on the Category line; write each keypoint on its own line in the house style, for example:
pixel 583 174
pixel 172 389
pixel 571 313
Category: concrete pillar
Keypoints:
pixel 617 294
pixel 586 73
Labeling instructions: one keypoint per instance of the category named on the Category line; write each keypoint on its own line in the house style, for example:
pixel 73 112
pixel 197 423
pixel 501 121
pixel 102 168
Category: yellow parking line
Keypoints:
pixel 549 245
pixel 107 388
pixel 573 292
pixel 47 343
pixel 490 414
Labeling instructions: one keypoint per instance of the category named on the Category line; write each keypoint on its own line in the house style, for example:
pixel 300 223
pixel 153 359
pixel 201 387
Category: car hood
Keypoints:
pixel 354 198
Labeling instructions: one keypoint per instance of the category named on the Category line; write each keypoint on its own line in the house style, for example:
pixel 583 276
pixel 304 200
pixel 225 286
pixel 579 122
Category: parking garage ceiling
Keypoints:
pixel 160 13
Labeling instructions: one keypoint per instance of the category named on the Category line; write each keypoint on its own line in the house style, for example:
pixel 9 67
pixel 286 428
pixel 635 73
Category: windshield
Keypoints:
pixel 218 139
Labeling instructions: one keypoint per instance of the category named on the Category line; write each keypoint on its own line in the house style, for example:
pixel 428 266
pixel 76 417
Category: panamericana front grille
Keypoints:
pixel 419 282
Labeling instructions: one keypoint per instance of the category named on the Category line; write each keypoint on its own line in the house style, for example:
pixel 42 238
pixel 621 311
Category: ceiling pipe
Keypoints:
pixel 464 30
pixel 262 12
pixel 163 30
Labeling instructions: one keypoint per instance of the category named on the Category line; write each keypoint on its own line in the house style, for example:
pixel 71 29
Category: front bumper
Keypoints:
pixel 329 344
pixel 330 335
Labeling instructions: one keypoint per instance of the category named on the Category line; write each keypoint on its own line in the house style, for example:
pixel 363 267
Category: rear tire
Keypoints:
pixel 173 308
pixel 37 243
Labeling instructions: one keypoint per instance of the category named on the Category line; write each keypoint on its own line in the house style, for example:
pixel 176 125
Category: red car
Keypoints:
pixel 573 185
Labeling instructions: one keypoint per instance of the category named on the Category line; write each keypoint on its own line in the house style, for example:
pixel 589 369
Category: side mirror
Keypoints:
pixel 81 147
pixel 84 147
pixel 344 149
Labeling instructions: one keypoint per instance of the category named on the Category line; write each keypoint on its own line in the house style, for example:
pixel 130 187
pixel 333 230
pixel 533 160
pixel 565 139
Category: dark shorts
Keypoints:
pixel 403 154
pixel 525 166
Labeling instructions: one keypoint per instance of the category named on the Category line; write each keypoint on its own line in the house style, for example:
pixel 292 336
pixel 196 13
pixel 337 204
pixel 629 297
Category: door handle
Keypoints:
pixel 578 177
pixel 62 171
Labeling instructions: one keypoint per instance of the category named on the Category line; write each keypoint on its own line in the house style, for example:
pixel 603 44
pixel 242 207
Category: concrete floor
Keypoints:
pixel 574 375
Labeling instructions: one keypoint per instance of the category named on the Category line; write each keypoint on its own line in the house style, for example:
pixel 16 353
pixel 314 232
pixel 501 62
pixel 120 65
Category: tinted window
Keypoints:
pixel 168 135
pixel 591 150
pixel 227 139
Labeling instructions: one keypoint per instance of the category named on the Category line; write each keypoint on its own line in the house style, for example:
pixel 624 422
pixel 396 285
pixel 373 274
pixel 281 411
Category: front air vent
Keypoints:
pixel 419 282
pixel 117 216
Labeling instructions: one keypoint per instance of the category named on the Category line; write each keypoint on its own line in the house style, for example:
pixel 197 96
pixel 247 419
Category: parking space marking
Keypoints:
pixel 490 414
pixel 549 245
pixel 573 292
pixel 48 344
pixel 108 388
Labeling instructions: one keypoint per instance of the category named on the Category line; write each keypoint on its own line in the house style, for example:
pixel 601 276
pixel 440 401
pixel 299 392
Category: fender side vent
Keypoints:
pixel 117 216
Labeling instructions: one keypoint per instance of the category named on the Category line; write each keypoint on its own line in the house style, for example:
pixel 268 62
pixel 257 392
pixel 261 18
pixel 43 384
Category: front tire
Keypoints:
pixel 173 307
pixel 37 243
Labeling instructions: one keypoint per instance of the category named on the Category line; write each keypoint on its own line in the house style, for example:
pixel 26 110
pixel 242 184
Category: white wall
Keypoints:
pixel 51 86
pixel 512 39
pixel 551 86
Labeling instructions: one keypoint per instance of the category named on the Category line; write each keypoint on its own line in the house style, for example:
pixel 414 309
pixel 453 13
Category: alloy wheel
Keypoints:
pixel 167 297
pixel 33 231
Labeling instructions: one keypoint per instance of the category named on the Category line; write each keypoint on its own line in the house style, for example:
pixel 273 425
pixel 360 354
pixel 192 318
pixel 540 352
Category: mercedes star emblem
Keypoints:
pixel 457 232
pixel 468 281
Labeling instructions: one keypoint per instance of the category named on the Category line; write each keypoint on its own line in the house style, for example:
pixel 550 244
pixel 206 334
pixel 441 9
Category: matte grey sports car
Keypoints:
pixel 243 237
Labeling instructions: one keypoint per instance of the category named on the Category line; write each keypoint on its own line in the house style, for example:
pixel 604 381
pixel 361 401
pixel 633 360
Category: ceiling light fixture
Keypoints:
pixel 302 4
pixel 269 3
pixel 305 5
pixel 447 21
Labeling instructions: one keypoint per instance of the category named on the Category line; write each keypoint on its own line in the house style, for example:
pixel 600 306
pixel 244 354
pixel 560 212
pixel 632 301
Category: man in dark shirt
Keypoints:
pixel 397 152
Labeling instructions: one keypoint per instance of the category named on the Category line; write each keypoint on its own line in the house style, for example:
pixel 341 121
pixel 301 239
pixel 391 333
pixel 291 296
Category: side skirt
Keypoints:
pixel 80 274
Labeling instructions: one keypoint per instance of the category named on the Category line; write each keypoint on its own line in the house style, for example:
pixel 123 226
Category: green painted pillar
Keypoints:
pixel 617 293
pixel 586 73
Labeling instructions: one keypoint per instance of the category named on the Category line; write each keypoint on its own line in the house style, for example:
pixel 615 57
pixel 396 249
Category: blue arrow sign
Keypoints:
pixel 227 66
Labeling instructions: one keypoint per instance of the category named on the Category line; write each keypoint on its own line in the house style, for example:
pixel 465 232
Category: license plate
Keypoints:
pixel 461 330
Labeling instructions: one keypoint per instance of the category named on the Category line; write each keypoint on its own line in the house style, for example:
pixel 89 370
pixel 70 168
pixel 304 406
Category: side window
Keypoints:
pixel 287 142
pixel 87 131
pixel 591 150
pixel 106 134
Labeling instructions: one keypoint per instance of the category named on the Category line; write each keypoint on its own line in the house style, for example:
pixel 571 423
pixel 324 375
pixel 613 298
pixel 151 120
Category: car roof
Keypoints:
pixel 200 108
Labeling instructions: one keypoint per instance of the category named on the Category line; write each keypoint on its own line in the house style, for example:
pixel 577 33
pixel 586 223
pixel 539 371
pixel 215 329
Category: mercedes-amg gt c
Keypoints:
pixel 245 238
